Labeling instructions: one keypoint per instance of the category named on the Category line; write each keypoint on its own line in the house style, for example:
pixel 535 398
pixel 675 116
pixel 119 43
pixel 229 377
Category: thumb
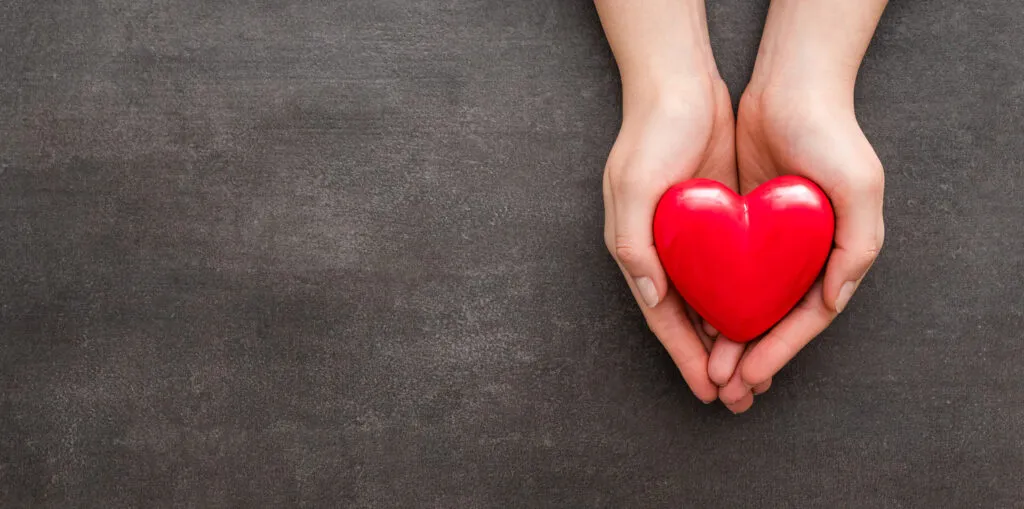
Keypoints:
pixel 860 231
pixel 633 245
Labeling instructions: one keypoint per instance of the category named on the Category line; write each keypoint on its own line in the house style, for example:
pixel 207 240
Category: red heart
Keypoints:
pixel 743 262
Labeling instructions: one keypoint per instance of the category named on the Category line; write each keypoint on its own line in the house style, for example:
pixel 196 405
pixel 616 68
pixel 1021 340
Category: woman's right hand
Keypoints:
pixel 668 136
pixel 677 124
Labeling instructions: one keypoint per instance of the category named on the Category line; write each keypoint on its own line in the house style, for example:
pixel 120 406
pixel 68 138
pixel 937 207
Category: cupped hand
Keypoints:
pixel 784 131
pixel 670 135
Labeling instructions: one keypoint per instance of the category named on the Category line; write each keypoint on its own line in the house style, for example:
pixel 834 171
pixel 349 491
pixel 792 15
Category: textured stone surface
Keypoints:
pixel 349 254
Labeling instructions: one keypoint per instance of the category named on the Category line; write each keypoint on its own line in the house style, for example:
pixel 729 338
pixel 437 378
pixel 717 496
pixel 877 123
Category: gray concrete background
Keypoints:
pixel 348 254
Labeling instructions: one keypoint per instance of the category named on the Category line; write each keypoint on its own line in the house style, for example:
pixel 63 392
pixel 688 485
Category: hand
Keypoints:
pixel 780 132
pixel 666 139
pixel 797 117
pixel 677 124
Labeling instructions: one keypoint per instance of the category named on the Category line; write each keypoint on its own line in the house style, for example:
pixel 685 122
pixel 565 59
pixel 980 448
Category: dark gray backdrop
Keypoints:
pixel 348 253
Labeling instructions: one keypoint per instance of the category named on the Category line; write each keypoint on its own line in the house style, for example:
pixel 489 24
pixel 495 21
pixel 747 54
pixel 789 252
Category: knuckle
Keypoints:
pixel 873 250
pixel 754 375
pixel 625 182
pixel 870 183
pixel 637 183
pixel 690 363
pixel 668 322
pixel 874 245
pixel 626 253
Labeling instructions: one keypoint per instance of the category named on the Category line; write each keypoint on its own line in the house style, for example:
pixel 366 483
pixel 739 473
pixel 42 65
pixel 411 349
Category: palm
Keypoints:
pixel 720 154
pixel 785 136
pixel 824 143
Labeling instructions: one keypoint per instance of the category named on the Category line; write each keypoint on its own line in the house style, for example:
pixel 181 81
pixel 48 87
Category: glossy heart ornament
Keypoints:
pixel 743 262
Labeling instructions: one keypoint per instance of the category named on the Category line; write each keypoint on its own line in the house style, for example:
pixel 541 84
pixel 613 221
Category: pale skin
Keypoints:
pixel 796 116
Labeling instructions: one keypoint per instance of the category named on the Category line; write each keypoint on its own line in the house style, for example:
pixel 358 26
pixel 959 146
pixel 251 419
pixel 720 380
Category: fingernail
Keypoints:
pixel 647 291
pixel 844 295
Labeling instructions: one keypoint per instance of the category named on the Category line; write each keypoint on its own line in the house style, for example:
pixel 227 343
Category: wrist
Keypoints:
pixel 661 47
pixel 669 93
pixel 794 68
pixel 692 102
pixel 780 92
pixel 814 48
pixel 783 78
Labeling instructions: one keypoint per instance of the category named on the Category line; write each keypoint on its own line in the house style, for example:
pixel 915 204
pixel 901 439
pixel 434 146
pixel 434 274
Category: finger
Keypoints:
pixel 762 388
pixel 786 339
pixel 695 320
pixel 725 356
pixel 632 244
pixel 670 324
pixel 735 390
pixel 742 405
pixel 709 329
pixel 860 232
pixel 706 331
